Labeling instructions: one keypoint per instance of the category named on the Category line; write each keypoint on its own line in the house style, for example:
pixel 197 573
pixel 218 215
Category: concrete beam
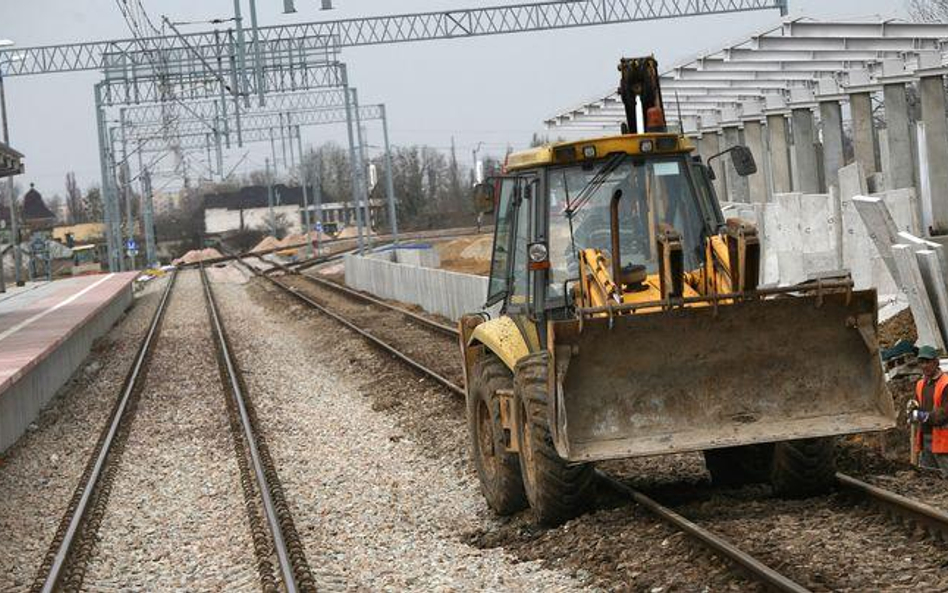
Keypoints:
pixel 882 228
pixel 804 148
pixel 929 264
pixel 778 136
pixel 901 171
pixel 711 144
pixel 737 186
pixel 757 183
pixel 864 138
pixel 831 120
pixel 932 90
pixel 913 285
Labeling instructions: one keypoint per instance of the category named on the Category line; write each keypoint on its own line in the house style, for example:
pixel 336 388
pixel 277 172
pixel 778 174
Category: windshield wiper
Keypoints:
pixel 595 183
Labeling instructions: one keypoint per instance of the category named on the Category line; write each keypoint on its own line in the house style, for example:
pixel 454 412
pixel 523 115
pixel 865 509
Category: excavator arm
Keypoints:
pixel 640 81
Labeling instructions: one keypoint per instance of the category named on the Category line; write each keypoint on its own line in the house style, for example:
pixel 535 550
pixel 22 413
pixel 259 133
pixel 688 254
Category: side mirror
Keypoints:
pixel 743 160
pixel 484 198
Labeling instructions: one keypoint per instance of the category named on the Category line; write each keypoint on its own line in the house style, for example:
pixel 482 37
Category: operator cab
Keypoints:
pixel 556 201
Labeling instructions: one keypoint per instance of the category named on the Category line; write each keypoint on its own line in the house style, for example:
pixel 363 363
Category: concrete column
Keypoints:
pixel 901 173
pixel 831 118
pixel 804 148
pixel 757 183
pixel 932 90
pixel 711 144
pixel 737 186
pixel 699 150
pixel 864 139
pixel 779 153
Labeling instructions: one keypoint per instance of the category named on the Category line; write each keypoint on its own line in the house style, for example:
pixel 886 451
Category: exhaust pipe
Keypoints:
pixel 614 228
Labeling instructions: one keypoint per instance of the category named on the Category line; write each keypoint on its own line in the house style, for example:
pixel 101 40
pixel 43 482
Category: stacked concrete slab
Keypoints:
pixel 808 235
pixel 917 266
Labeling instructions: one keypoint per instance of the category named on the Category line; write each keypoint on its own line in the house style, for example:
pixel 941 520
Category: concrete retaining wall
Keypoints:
pixel 445 293
pixel 22 402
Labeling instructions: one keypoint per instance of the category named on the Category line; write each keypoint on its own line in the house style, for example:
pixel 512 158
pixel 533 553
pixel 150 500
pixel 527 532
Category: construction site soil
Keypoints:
pixel 826 543
pixel 468 255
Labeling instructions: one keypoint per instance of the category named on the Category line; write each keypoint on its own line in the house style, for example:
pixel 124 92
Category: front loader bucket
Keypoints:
pixel 702 378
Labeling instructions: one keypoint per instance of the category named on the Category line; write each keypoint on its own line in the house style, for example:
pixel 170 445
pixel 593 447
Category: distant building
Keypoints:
pixel 36 216
pixel 248 208
pixel 80 234
pixel 164 203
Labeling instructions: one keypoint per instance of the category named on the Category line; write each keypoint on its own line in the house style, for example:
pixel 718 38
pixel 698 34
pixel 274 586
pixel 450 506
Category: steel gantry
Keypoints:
pixel 448 24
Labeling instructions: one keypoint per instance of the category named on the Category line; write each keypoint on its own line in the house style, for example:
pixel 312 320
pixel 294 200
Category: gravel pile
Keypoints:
pixel 176 518
pixel 40 472
pixel 198 255
pixel 375 508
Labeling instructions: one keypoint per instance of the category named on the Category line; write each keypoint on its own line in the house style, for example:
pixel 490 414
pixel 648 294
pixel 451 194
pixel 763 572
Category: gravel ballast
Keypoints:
pixel 40 472
pixel 373 510
pixel 176 518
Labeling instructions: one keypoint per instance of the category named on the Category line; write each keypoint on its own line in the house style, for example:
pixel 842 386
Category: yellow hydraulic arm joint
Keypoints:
pixel 743 248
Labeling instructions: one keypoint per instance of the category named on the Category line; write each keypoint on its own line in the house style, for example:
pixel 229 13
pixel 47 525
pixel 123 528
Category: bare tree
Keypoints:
pixel 56 205
pixel 928 11
pixel 92 208
pixel 74 200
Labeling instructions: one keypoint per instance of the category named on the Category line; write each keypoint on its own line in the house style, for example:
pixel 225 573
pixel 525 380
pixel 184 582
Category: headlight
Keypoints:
pixel 646 146
pixel 589 152
pixel 538 253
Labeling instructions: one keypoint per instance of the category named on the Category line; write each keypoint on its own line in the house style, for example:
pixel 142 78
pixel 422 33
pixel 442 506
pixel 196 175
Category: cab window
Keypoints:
pixel 497 286
pixel 519 294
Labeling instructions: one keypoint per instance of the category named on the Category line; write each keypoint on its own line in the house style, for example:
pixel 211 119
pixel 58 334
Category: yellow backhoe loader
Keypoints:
pixel 633 323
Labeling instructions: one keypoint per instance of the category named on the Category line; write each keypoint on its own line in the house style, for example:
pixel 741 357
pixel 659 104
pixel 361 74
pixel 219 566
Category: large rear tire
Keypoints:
pixel 497 470
pixel 803 468
pixel 556 490
pixel 736 466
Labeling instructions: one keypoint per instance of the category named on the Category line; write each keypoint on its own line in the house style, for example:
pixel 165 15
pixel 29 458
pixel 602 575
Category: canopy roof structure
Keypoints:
pixel 794 63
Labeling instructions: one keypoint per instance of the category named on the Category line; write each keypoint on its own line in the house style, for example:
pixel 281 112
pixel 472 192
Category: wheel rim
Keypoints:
pixel 485 439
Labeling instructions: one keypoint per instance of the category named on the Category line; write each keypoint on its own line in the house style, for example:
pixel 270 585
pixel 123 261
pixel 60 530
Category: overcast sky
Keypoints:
pixel 495 90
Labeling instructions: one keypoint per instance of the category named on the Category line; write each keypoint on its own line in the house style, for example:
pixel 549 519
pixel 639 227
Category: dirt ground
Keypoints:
pixel 899 327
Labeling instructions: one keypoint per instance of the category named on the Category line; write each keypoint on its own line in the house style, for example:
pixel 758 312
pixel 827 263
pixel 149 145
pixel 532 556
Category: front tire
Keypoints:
pixel 556 490
pixel 803 468
pixel 497 470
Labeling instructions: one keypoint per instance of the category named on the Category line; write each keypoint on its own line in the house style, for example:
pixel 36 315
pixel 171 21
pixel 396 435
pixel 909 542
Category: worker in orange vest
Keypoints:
pixel 928 412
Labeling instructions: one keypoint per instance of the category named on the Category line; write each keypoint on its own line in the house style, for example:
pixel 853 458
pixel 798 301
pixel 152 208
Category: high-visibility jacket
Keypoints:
pixel 939 433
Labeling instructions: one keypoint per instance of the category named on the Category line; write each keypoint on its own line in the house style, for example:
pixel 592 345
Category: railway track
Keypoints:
pixel 756 569
pixel 273 534
pixel 917 515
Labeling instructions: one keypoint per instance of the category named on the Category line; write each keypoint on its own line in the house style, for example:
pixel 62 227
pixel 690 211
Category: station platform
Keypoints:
pixel 46 331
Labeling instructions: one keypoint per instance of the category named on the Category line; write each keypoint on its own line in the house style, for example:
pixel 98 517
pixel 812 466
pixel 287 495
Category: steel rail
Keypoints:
pixel 376 341
pixel 720 546
pixel 263 485
pixel 935 520
pixel 131 383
